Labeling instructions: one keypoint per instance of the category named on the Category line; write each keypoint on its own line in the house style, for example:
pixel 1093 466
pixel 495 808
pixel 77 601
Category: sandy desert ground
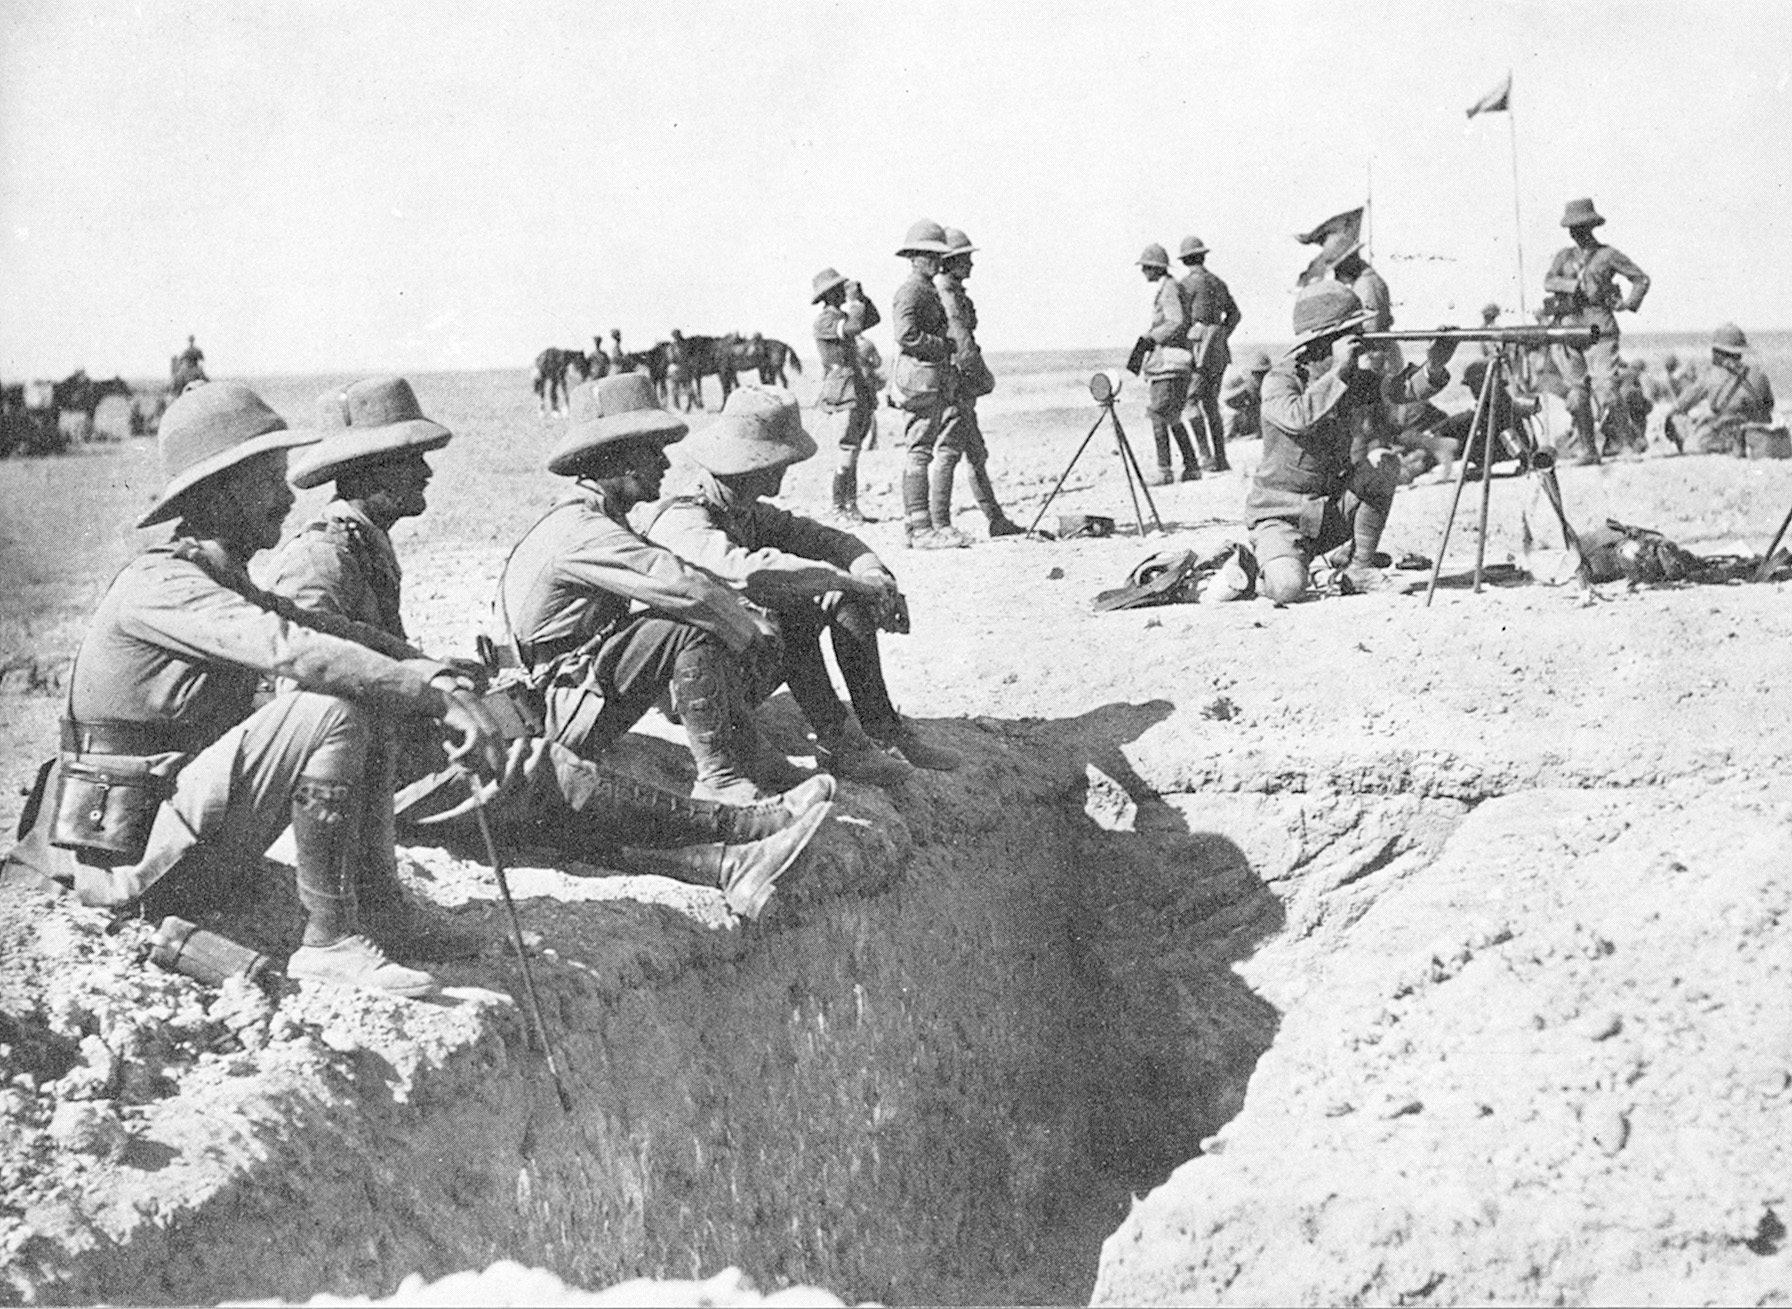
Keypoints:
pixel 1354 951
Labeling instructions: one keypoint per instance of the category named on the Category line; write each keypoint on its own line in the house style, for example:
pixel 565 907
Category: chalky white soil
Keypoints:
pixel 1348 952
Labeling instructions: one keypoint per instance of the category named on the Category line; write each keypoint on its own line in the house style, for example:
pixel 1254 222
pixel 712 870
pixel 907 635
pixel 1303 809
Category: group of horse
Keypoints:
pixel 676 367
pixel 44 418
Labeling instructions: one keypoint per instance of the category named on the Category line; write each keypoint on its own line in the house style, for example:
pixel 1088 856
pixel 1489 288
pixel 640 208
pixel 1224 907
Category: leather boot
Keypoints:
pixel 846 752
pixel 392 919
pixel 917 512
pixel 939 487
pixel 771 769
pixel 999 523
pixel 334 953
pixel 1220 464
pixel 703 693
pixel 745 874
pixel 900 736
pixel 599 809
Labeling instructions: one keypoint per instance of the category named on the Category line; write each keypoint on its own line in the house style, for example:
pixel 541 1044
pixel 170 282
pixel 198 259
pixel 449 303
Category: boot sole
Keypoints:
pixel 748 896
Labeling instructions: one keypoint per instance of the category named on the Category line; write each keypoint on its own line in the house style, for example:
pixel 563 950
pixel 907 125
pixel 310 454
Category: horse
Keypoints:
pixel 770 357
pixel 549 380
pixel 29 421
pixel 701 356
pixel 655 361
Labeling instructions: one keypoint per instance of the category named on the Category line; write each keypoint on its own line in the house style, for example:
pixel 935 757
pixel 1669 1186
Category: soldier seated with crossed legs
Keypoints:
pixel 814 578
pixel 342 562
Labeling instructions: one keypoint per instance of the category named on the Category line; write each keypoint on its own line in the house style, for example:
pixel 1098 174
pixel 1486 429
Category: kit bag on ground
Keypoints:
pixel 1637 554
pixel 1182 577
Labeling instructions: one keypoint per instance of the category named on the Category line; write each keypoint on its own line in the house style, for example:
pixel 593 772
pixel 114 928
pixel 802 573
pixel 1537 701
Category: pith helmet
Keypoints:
pixel 1326 308
pixel 925 237
pixel 364 422
pixel 1154 257
pixel 760 427
pixel 210 427
pixel 1490 311
pixel 1190 247
pixel 1257 362
pixel 1729 339
pixel 608 412
pixel 957 243
pixel 826 280
pixel 1580 213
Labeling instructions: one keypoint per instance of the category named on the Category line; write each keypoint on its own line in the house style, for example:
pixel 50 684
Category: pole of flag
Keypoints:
pixel 1369 206
pixel 1517 220
pixel 1499 101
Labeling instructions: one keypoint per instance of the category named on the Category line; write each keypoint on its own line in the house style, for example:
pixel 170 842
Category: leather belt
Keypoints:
pixel 126 738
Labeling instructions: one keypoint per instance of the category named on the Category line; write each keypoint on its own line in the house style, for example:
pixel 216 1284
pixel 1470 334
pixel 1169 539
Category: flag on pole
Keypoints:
pixel 1335 237
pixel 1496 101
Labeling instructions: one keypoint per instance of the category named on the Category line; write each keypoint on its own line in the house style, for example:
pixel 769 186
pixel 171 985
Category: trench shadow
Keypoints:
pixel 1164 909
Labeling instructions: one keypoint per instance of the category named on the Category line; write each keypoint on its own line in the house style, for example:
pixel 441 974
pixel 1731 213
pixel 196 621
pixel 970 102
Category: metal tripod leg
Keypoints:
pixel 1129 467
pixel 1765 571
pixel 1483 405
pixel 1065 475
pixel 1495 378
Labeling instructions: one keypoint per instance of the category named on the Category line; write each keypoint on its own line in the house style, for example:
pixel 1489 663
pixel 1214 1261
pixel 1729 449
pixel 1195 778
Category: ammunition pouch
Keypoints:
pixel 1564 304
pixel 839 390
pixel 1170 361
pixel 106 811
pixel 919 385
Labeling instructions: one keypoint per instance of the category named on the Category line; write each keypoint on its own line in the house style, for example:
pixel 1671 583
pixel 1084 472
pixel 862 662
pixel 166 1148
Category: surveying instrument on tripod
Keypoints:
pixel 1105 388
pixel 1484 430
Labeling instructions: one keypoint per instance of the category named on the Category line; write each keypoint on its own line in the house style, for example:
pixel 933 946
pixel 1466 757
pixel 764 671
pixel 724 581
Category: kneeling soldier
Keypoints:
pixel 168 776
pixel 342 563
pixel 814 578
pixel 1308 497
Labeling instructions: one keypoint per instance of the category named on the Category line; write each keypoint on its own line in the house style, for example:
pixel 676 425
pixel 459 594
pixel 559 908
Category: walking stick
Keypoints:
pixel 516 940
pixel 1766 569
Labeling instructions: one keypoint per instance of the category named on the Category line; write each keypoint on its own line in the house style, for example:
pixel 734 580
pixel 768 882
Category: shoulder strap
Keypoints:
pixel 503 605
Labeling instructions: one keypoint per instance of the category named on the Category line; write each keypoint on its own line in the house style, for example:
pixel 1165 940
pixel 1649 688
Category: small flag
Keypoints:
pixel 1496 101
pixel 1336 237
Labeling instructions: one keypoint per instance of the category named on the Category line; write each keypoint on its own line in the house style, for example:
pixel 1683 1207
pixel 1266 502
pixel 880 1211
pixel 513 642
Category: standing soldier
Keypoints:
pixel 1167 366
pixel 922 378
pixel 1213 315
pixel 1581 291
pixel 846 383
pixel 1313 493
pixel 171 782
pixel 1375 423
pixel 961 436
pixel 342 563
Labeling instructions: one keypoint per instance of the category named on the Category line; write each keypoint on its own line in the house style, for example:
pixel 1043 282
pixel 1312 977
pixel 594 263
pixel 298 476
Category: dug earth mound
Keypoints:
pixel 1349 952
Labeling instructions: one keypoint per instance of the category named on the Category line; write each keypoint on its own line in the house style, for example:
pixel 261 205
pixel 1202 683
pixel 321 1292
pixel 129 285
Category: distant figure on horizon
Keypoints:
pixel 186 367
pixel 1243 396
pixel 846 383
pixel 1581 291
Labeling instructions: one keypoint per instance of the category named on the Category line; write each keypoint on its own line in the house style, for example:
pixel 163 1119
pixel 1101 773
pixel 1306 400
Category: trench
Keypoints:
pixel 985 1017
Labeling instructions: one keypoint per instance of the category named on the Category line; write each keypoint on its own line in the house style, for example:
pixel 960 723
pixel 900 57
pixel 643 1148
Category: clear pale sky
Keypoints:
pixel 408 186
